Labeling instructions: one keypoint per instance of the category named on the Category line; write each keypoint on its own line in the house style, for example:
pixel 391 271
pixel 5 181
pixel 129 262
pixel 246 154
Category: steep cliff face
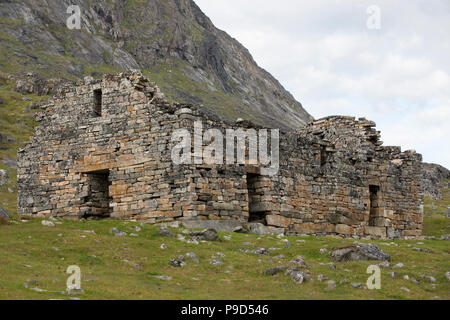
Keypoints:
pixel 171 41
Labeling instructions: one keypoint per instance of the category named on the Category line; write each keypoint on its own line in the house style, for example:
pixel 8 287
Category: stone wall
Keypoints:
pixel 322 187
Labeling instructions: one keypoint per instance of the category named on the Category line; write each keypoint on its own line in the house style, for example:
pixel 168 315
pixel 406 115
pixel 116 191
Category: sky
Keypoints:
pixel 387 61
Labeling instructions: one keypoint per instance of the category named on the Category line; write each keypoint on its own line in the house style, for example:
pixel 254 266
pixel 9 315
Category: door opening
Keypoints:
pixel 257 207
pixel 374 204
pixel 98 199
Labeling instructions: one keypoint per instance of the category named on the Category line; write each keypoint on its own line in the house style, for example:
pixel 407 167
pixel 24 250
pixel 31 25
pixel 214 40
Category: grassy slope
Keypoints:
pixel 125 267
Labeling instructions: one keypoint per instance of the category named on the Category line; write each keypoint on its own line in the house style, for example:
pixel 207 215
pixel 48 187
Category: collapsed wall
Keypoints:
pixel 103 148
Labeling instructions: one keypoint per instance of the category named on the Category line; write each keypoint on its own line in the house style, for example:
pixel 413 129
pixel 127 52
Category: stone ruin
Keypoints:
pixel 103 149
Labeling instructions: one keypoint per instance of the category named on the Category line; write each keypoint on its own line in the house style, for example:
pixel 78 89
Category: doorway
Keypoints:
pixel 256 206
pixel 374 204
pixel 98 199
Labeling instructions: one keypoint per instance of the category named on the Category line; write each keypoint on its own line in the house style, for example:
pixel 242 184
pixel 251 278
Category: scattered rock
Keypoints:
pixel 220 254
pixel 163 247
pixel 215 262
pixel 414 280
pixel 323 250
pixel 136 228
pixel 164 232
pixel 205 235
pixel 193 256
pixel 406 277
pixel 260 251
pixel 356 284
pixel 299 277
pixel 275 270
pixel 359 253
pixel 117 233
pixel 399 265
pixel 445 237
pixel 422 250
pixel 322 277
pixel 429 278
pixel 178 262
pixel 384 264
pixel 405 289
pixel 298 261
pixel 47 223
pixel 88 231
pixel 331 285
pixel 166 278
pixel 393 274
pixel 447 275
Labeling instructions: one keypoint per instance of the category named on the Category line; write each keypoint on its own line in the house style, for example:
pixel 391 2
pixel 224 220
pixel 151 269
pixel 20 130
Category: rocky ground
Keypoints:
pixel 128 260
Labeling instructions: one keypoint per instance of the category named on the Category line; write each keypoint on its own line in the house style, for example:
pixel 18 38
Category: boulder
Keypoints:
pixel 4 218
pixel 298 261
pixel 178 262
pixel 205 235
pixel 193 256
pixel 275 270
pixel 164 232
pixel 47 223
pixel 359 253
pixel 258 228
pixel 117 233
pixel 299 277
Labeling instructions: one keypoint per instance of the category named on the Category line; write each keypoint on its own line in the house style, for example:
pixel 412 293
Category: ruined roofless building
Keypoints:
pixel 103 148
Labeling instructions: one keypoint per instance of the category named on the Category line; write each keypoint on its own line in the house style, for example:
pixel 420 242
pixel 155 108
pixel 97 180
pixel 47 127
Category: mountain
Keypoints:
pixel 435 178
pixel 172 41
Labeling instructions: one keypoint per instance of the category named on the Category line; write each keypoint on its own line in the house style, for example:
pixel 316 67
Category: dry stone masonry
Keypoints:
pixel 103 149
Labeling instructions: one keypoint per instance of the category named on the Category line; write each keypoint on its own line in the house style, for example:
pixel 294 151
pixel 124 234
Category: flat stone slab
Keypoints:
pixel 359 253
pixel 221 225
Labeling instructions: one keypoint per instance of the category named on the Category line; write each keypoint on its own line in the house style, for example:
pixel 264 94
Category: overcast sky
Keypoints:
pixel 325 54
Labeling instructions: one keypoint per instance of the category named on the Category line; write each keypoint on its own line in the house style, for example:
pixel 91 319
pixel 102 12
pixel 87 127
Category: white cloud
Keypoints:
pixel 324 54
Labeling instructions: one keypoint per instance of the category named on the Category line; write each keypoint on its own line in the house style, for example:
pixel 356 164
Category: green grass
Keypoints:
pixel 125 267
pixel 435 221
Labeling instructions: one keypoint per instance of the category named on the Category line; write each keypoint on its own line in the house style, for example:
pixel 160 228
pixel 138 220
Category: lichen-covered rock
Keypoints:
pixel 178 262
pixel 205 235
pixel 164 232
pixel 275 270
pixel 359 253
pixel 117 233
pixel 298 261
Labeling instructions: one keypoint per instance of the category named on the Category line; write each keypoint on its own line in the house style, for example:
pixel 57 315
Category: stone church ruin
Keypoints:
pixel 103 149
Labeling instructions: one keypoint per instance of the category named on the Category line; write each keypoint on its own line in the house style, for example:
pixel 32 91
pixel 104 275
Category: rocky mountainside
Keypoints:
pixel 433 175
pixel 171 41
